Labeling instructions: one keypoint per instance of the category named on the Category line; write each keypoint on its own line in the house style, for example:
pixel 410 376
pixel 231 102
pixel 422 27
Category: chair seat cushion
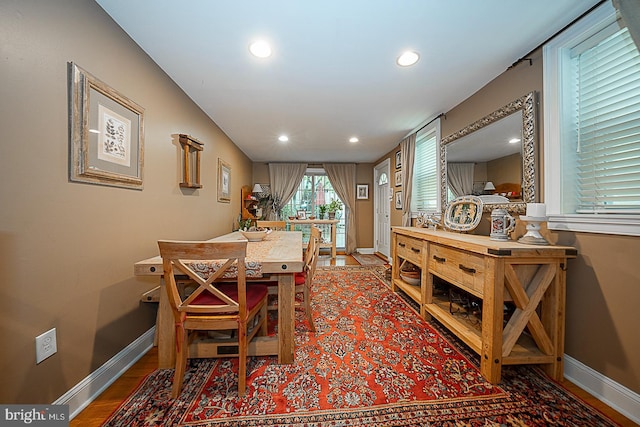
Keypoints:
pixel 300 278
pixel 255 294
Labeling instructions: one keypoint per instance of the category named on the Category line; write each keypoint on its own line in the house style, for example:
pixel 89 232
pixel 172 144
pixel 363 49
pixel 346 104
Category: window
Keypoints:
pixel 315 190
pixel 592 127
pixel 425 194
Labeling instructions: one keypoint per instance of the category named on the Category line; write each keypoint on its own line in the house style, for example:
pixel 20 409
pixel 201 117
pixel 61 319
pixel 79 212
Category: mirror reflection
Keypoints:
pixel 488 162
pixel 493 158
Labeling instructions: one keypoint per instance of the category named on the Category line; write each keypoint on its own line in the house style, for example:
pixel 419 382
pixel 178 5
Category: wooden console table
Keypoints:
pixel 529 277
pixel 324 244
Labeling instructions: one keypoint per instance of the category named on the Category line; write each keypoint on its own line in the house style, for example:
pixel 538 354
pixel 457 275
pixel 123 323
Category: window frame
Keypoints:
pixel 555 53
pixel 432 128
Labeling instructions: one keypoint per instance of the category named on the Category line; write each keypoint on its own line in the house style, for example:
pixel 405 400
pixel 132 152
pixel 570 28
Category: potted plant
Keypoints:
pixel 322 209
pixel 333 207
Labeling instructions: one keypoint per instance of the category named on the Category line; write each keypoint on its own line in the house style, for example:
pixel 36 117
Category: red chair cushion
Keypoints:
pixel 300 278
pixel 255 294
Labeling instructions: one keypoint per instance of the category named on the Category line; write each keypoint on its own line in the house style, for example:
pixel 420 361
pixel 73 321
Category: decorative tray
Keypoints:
pixel 463 213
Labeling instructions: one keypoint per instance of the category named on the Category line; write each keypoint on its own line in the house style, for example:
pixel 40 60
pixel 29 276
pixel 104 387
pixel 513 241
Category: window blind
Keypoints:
pixel 608 126
pixel 425 180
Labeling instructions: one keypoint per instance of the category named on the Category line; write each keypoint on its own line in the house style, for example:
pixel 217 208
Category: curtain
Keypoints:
pixel 285 179
pixel 460 178
pixel 629 11
pixel 407 154
pixel 342 177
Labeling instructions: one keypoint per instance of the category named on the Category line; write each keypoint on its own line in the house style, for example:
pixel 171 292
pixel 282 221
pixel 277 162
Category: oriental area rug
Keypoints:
pixel 372 362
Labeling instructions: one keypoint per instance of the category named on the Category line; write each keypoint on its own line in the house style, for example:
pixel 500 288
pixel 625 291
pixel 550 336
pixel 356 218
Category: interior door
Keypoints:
pixel 382 206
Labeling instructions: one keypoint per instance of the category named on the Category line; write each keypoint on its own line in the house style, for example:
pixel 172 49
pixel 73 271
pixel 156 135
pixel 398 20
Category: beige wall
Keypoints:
pixel 68 249
pixel 602 282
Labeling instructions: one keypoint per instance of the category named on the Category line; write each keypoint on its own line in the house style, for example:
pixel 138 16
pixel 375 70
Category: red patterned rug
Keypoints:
pixel 372 362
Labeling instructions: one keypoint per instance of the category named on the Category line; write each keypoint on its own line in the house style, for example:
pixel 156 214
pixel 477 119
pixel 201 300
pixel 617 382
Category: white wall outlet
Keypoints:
pixel 46 345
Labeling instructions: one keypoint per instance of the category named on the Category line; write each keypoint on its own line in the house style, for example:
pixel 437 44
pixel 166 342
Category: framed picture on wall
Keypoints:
pixel 398 178
pixel 106 136
pixel 224 181
pixel 362 191
pixel 398 199
pixel 398 160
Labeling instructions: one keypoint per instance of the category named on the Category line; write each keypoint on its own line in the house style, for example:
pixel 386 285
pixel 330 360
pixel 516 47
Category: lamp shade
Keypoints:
pixel 489 186
pixel 257 188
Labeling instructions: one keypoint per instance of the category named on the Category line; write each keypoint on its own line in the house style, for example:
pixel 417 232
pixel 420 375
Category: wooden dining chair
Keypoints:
pixel 273 225
pixel 303 279
pixel 213 305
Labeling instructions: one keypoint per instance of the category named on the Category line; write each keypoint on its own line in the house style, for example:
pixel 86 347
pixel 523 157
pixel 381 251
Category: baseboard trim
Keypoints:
pixel 617 396
pixel 85 392
pixel 365 251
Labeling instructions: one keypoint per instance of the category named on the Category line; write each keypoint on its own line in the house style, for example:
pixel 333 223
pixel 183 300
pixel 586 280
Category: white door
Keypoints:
pixel 381 204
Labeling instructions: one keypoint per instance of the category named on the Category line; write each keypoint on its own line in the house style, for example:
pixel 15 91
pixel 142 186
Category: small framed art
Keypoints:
pixel 224 181
pixel 398 178
pixel 398 199
pixel 362 191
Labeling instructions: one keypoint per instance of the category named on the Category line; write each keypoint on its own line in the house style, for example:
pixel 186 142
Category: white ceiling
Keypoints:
pixel 332 74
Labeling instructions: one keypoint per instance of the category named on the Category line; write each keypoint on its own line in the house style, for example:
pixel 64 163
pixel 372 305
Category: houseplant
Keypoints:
pixel 322 209
pixel 333 207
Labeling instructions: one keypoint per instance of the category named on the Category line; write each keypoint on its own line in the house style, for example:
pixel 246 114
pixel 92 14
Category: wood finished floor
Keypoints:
pixel 108 401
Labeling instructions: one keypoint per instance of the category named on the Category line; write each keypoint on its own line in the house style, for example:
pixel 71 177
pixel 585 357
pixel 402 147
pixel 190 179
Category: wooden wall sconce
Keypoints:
pixel 191 148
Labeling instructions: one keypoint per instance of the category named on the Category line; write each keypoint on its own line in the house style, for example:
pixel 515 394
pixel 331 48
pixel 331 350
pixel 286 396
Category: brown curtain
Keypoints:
pixel 285 179
pixel 407 155
pixel 342 177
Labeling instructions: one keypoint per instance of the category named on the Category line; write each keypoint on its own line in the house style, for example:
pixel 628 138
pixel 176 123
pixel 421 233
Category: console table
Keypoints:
pixel 530 278
pixel 325 243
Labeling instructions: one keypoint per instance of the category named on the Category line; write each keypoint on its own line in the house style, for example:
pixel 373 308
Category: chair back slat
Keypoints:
pixel 178 258
pixel 273 225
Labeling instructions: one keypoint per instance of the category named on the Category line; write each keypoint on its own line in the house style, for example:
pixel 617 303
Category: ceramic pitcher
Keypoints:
pixel 501 224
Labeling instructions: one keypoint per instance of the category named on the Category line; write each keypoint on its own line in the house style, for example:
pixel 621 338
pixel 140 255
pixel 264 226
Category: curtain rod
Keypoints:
pixel 524 58
pixel 428 123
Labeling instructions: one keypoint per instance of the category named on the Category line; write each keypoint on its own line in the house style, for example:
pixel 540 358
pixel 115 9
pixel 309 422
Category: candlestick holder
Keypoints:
pixel 533 236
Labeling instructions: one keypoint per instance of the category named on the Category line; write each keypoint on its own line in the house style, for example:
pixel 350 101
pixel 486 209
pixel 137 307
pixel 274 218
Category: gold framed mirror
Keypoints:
pixel 474 140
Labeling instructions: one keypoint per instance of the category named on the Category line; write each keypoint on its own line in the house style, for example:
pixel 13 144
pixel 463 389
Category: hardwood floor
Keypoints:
pixel 108 401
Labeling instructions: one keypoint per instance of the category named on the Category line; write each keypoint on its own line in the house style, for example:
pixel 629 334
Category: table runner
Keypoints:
pixel 255 251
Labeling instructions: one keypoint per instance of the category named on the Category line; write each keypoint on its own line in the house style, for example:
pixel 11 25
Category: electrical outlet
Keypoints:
pixel 46 345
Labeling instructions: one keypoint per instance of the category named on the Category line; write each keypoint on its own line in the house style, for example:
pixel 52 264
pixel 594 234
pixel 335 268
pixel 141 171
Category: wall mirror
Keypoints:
pixel 480 156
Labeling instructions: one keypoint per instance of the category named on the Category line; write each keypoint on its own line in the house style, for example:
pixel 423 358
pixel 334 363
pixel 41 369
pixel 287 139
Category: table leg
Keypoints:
pixel 333 241
pixel 165 331
pixel 286 318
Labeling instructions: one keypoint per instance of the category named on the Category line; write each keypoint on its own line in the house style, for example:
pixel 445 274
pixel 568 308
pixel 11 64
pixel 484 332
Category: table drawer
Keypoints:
pixel 463 269
pixel 410 249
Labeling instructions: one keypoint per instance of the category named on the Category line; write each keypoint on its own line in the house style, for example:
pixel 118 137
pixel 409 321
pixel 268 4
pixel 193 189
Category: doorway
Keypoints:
pixel 381 208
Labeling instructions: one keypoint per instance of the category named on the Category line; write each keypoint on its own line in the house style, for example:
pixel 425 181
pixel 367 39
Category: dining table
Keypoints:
pixel 278 256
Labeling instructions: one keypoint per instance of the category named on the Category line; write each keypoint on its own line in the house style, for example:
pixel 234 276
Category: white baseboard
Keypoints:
pixel 617 396
pixel 365 251
pixel 83 393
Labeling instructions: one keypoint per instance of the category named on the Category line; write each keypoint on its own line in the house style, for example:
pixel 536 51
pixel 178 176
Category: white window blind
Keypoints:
pixel 424 195
pixel 608 126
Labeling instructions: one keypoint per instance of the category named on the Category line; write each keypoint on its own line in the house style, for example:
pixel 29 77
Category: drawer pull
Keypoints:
pixel 402 245
pixel 466 269
pixel 438 259
pixel 416 250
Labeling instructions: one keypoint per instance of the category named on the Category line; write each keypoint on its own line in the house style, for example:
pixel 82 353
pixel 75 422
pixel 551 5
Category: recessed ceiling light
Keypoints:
pixel 514 140
pixel 408 58
pixel 353 139
pixel 283 138
pixel 260 49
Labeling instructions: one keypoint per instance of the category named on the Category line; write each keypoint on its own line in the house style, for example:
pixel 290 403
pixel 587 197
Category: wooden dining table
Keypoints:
pixel 279 256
